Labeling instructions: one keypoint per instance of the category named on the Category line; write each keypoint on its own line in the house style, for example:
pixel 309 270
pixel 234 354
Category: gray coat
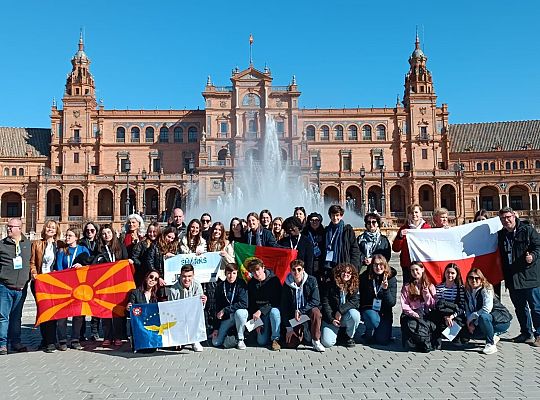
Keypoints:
pixel 9 276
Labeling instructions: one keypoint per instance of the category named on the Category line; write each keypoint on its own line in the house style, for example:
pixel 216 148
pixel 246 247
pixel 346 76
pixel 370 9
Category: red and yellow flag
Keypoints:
pixel 98 290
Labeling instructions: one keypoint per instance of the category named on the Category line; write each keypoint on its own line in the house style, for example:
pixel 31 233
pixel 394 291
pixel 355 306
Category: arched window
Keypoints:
pixel 522 165
pixel 366 132
pixel 178 135
pixel 479 166
pixel 164 135
pixel 120 135
pixel 149 135
pixel 21 171
pixel 507 165
pixel 251 100
pixel 492 166
pixel 325 133
pixel 338 133
pixel 192 135
pixel 381 132
pixel 6 171
pixel 135 134
pixel 310 133
pixel 486 166
pixel 13 171
pixel 353 132
pixel 537 164
pixel 514 165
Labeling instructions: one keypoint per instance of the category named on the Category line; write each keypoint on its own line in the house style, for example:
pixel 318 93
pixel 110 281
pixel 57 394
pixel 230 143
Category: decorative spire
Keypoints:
pixel 293 82
pixel 209 81
pixel 266 70
pixel 54 102
pixel 250 50
pixel 81 41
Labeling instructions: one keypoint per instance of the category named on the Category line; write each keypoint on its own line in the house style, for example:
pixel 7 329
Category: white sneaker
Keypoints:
pixel 317 346
pixel 490 349
pixel 241 345
pixel 496 339
pixel 197 347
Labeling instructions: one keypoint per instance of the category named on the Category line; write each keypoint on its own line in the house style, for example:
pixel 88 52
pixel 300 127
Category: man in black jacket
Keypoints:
pixel 519 245
pixel 264 294
pixel 341 244
pixel 300 296
pixel 296 240
pixel 15 251
pixel 232 303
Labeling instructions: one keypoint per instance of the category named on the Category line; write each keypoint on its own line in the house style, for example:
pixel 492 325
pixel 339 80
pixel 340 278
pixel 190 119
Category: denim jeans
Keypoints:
pixel 350 321
pixel 379 329
pixel 11 304
pixel 270 329
pixel 486 329
pixel 527 305
pixel 238 319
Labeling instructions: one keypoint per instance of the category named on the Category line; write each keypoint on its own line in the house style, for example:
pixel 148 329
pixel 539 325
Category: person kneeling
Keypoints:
pixel 186 287
pixel 300 297
pixel 486 316
pixel 264 294
pixel 340 306
pixel 232 303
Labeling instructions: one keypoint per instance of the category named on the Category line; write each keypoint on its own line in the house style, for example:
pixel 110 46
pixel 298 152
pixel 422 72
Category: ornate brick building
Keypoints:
pixel 370 158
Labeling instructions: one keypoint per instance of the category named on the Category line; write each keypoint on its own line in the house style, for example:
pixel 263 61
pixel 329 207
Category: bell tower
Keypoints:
pixel 80 82
pixel 418 81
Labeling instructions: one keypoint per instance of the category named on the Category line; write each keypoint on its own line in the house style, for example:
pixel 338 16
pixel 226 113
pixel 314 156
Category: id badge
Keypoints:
pixel 329 255
pixel 17 262
pixel 377 304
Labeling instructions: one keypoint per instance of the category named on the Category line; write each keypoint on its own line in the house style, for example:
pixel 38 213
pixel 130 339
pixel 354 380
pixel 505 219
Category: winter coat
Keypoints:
pixel 310 293
pixel 136 296
pixel 304 246
pixel 517 273
pixel 9 276
pixel 350 253
pixel 38 250
pixel 382 247
pixel 233 302
pixel 387 296
pixel 267 238
pixel 331 302
pixel 264 295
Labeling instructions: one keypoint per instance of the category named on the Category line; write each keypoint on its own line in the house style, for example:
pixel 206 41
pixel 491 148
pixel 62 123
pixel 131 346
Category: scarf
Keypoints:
pixel 419 226
pixel 335 232
pixel 258 239
pixel 369 241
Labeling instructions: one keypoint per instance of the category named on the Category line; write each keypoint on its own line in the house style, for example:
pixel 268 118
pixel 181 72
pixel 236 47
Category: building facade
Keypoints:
pixel 98 164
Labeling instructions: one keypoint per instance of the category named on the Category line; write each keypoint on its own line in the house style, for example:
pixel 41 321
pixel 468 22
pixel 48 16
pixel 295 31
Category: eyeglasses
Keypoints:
pixel 314 220
pixel 373 222
pixel 90 230
pixel 297 269
pixel 13 226
pixel 346 273
pixel 153 277
pixel 474 278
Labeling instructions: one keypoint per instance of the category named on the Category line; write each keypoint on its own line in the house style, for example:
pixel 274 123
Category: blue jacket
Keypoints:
pixel 65 261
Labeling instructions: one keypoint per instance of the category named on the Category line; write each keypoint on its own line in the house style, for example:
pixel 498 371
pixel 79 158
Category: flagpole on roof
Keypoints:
pixel 250 49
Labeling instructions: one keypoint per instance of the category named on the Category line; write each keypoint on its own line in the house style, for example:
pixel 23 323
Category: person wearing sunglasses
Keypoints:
pixel 314 231
pixel 487 318
pixel 372 242
pixel 206 221
pixel 300 296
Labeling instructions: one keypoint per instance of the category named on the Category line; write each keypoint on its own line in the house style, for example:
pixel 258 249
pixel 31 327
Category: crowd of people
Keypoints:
pixel 337 282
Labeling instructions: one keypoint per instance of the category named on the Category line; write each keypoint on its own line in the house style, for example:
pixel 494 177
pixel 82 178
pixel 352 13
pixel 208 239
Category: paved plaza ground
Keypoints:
pixel 364 372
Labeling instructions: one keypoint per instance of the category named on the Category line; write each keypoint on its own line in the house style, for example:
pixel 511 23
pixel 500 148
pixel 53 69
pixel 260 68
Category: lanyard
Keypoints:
pixel 225 293
pixel 376 289
pixel 112 258
pixel 330 245
pixel 290 239
pixel 17 248
pixel 72 258
pixel 312 239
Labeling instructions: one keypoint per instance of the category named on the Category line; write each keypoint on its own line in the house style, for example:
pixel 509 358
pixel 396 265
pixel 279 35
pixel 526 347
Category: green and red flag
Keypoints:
pixel 276 259
pixel 98 290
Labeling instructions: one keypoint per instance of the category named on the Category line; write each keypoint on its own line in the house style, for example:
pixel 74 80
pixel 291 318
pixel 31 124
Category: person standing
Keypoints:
pixel 341 244
pixel 177 222
pixel 519 246
pixel 298 241
pixel 440 218
pixel 206 221
pixel 372 242
pixel 15 252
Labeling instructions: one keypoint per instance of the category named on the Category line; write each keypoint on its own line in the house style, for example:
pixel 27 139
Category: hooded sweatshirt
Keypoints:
pixel 264 295
pixel 303 297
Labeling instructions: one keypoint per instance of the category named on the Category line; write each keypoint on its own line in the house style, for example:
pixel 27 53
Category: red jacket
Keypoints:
pixel 400 244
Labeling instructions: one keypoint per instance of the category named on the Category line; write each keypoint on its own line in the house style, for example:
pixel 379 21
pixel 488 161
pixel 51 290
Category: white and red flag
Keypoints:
pixel 469 246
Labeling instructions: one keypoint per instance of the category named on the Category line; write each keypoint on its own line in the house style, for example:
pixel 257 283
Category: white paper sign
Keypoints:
pixel 451 332
pixel 206 266
pixel 253 324
pixel 294 322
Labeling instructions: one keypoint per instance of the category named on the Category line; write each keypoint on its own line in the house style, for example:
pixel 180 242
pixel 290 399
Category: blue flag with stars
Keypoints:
pixel 170 323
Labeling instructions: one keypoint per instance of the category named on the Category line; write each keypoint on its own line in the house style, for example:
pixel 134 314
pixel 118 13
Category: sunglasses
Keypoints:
pixel 373 222
pixel 153 278
pixel 297 269
pixel 474 278
pixel 205 221
pixel 90 230
pixel 314 220
pixel 13 226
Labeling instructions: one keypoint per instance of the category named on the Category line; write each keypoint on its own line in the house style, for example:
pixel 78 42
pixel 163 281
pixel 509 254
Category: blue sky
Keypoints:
pixel 484 56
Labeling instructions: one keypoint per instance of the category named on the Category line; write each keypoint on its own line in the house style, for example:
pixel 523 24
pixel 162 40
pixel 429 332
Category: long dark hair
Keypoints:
pixel 153 291
pixel 350 286
pixel 458 280
pixel 193 241
pixel 215 245
pixel 114 245
pixel 231 233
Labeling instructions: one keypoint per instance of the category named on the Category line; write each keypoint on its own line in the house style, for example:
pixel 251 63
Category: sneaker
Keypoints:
pixel 3 350
pixel 317 346
pixel 94 337
pixel 496 339
pixel 523 338
pixel 50 348
pixel 19 348
pixel 349 343
pixel 241 345
pixel 106 343
pixel 62 347
pixel 489 349
pixel 76 345
pixel 536 342
pixel 117 342
pixel 197 347
pixel 275 345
